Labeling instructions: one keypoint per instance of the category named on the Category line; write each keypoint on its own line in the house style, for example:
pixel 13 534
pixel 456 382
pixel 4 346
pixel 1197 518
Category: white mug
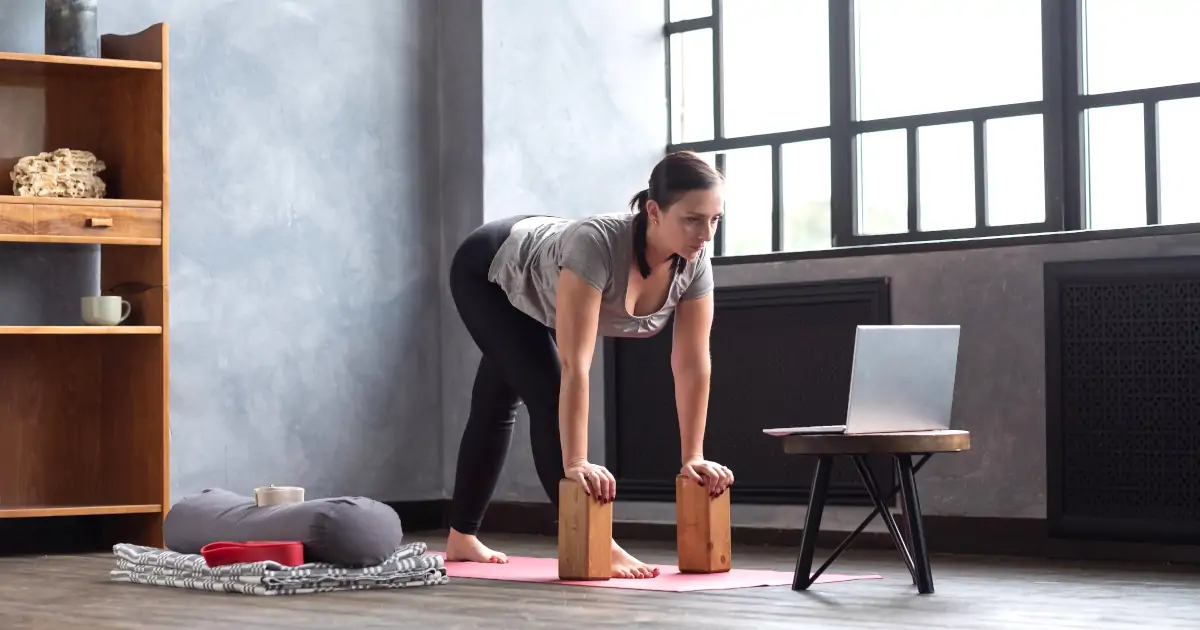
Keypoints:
pixel 105 310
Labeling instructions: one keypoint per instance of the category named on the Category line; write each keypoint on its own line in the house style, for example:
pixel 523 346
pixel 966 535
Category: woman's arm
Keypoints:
pixel 691 365
pixel 577 307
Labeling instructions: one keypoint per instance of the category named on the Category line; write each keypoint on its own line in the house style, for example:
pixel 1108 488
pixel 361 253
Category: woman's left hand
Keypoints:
pixel 715 477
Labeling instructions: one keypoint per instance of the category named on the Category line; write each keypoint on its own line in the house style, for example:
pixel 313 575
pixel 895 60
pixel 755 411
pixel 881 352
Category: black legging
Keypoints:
pixel 519 364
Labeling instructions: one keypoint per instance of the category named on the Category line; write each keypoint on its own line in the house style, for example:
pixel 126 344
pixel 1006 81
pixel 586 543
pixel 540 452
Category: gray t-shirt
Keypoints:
pixel 600 250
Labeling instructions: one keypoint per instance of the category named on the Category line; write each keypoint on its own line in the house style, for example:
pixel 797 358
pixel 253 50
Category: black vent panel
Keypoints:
pixel 1123 395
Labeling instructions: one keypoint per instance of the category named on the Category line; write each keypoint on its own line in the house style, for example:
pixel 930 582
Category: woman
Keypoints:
pixel 535 292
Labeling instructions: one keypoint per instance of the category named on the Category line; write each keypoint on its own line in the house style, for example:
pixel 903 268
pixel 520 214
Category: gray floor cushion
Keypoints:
pixel 348 531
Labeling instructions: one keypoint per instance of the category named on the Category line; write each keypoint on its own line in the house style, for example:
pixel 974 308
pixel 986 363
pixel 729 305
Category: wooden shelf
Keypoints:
pixel 70 201
pixel 31 64
pixel 80 330
pixel 40 511
pixel 84 410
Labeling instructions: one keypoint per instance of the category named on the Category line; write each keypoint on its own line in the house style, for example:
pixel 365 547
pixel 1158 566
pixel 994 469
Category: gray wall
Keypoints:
pixel 460 200
pixel 304 282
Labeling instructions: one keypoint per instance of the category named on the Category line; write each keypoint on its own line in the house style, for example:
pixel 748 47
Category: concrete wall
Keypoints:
pixel 304 281
pixel 460 200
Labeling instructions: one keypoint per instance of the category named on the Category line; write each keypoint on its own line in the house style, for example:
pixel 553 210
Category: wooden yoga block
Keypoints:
pixel 703 536
pixel 584 534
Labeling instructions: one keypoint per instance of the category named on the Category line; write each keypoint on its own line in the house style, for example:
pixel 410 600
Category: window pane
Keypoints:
pixel 776 65
pixel 883 182
pixel 1179 160
pixel 709 158
pixel 747 221
pixel 689 9
pixel 806 184
pixel 1133 44
pixel 1016 177
pixel 1116 167
pixel 691 86
pixel 923 56
pixel 946 177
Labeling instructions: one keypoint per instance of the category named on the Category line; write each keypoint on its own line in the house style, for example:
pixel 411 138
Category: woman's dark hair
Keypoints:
pixel 674 175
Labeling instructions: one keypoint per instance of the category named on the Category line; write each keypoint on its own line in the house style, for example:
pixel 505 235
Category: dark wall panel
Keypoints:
pixel 1123 399
pixel 781 357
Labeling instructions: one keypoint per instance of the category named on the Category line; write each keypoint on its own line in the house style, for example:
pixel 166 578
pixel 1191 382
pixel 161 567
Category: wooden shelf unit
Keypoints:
pixel 84 415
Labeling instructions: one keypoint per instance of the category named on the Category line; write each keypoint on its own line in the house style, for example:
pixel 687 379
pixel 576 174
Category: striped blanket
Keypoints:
pixel 408 566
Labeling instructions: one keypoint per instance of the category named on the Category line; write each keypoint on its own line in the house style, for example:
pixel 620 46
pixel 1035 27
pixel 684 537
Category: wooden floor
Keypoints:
pixel 73 592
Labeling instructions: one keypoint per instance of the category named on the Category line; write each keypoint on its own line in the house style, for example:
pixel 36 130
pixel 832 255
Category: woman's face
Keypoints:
pixel 689 223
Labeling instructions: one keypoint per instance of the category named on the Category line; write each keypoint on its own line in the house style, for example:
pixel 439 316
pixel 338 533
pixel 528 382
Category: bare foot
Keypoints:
pixel 626 566
pixel 467 548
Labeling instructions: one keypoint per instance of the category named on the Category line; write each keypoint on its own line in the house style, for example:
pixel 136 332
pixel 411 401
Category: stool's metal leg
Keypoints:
pixel 912 508
pixel 903 512
pixel 881 508
pixel 803 577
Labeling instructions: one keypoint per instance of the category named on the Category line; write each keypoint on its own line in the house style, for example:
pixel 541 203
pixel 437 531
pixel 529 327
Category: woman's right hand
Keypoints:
pixel 596 480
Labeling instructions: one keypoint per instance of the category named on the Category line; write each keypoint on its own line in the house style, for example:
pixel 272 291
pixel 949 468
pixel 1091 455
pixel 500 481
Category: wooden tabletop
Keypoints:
pixel 912 442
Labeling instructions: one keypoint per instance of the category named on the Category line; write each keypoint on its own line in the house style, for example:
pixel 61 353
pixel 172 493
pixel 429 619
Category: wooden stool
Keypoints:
pixel 584 534
pixel 702 528
pixel 901 446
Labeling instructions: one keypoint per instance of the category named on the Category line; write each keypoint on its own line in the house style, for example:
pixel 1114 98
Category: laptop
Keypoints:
pixel 902 379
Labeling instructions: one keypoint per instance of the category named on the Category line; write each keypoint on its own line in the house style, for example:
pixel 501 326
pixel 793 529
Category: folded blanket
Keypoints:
pixel 408 566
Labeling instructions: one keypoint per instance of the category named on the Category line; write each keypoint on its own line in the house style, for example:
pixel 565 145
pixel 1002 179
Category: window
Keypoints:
pixel 855 122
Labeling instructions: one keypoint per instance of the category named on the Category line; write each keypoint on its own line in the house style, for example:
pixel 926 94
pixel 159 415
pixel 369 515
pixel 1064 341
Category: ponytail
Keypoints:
pixel 638 204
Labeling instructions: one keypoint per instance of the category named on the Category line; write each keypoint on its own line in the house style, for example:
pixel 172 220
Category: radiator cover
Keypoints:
pixel 1123 399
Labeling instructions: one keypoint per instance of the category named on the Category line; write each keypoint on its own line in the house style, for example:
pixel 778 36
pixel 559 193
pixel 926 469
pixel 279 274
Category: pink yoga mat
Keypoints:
pixel 545 571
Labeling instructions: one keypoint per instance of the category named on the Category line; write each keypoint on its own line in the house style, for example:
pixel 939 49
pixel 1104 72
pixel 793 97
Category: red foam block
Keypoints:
pixel 285 552
pixel 669 579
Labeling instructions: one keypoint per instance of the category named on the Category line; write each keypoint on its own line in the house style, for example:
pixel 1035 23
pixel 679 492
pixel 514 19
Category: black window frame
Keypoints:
pixel 1062 111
